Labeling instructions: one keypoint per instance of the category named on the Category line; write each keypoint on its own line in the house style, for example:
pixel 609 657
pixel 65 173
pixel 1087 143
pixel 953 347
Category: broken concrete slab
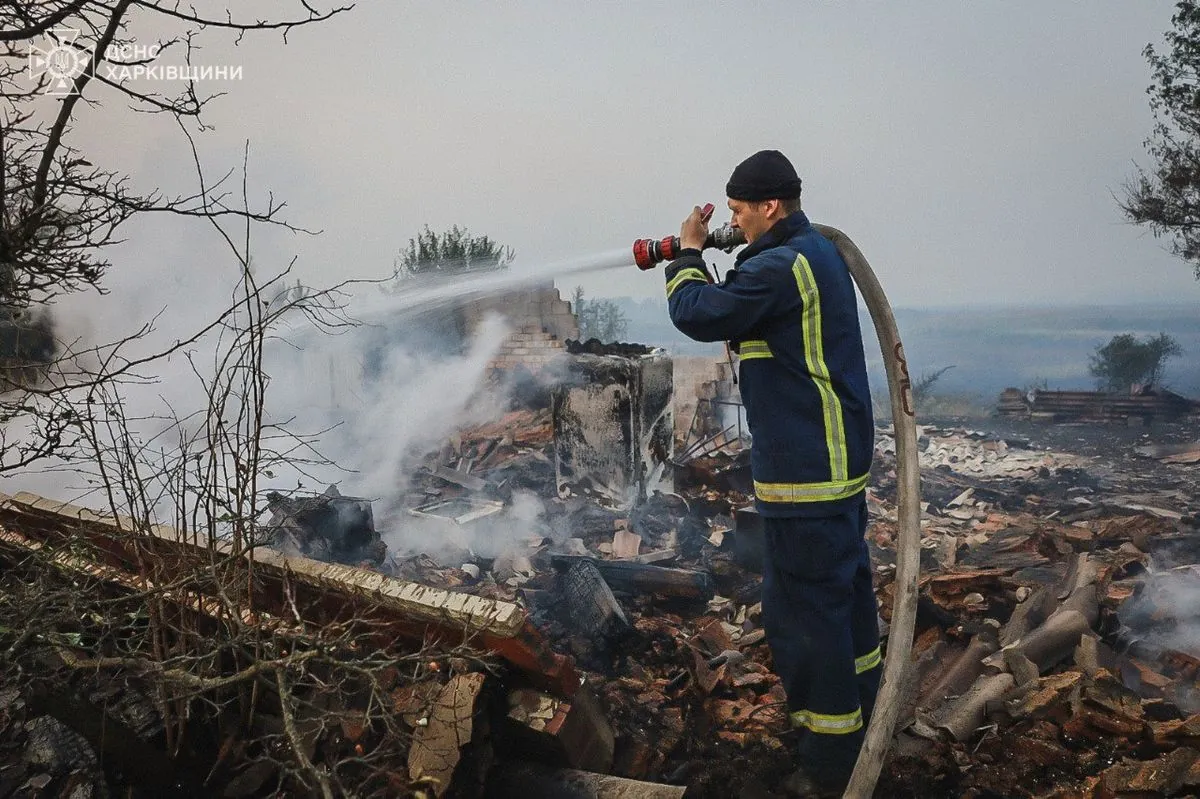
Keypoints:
pixel 613 426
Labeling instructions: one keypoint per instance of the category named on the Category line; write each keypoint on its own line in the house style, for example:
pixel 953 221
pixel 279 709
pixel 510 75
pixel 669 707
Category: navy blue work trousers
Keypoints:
pixel 821 621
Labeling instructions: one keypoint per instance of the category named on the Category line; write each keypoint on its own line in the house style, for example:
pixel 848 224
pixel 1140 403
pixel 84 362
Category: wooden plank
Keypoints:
pixel 323 592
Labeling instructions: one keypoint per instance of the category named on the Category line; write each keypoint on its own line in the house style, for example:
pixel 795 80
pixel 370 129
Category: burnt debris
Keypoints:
pixel 328 527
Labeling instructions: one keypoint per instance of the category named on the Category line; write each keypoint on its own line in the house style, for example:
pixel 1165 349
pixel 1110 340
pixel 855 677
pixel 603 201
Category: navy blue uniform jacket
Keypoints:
pixel 789 307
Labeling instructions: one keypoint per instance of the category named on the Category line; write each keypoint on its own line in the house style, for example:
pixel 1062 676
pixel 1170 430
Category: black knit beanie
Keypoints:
pixel 766 175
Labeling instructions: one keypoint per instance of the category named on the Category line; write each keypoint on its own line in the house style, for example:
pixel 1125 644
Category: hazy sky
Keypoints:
pixel 972 149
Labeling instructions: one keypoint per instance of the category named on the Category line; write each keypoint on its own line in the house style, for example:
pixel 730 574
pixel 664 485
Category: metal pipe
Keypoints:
pixel 908 548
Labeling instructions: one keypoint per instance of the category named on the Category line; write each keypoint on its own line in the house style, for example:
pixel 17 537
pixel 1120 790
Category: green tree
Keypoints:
pixel 1126 360
pixel 1167 198
pixel 598 319
pixel 452 252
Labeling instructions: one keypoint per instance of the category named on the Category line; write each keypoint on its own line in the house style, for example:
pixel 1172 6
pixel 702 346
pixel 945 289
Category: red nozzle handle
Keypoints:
pixel 642 254
pixel 647 253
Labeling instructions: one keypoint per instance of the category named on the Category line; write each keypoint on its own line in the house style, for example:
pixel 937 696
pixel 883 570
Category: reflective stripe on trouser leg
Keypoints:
pixel 809 608
pixel 868 663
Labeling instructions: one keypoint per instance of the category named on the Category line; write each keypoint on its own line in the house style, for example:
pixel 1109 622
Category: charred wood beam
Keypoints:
pixel 147 765
pixel 321 593
pixel 591 604
pixel 643 578
pixel 535 782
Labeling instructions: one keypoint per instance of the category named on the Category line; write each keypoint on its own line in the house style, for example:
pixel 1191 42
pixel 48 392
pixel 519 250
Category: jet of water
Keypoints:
pixel 421 293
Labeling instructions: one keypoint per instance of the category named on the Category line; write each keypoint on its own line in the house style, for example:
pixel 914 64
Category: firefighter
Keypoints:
pixel 789 309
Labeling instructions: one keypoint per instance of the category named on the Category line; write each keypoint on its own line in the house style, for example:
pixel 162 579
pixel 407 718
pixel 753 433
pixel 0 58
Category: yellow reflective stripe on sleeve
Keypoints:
pixel 814 356
pixel 748 350
pixel 809 492
pixel 868 661
pixel 691 273
pixel 839 724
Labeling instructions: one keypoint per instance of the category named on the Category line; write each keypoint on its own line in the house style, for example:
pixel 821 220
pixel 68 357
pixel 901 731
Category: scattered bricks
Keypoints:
pixel 706 678
pixel 948 590
pixel 1042 753
pixel 651 698
pixel 1148 681
pixel 1047 695
pixel 411 702
pixel 750 680
pixel 1110 726
pixel 1080 537
pixel 634 755
pixel 1180 732
pixel 574 733
pixel 1108 693
pixel 1116 593
pixel 1161 777
pixel 353 727
pixel 729 713
pixel 712 635
pixel 752 638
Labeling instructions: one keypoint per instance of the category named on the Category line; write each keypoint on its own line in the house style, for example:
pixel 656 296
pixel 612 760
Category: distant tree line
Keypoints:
pixel 598 319
pixel 1126 361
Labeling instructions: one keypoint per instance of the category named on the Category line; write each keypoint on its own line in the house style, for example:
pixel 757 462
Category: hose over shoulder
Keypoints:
pixel 908 474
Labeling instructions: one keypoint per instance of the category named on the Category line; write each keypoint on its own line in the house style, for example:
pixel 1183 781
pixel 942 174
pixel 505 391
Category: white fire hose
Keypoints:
pixel 908 547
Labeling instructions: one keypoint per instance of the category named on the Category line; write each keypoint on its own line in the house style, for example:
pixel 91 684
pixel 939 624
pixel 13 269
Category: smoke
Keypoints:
pixel 521 524
pixel 370 400
pixel 385 395
pixel 511 532
pixel 1166 612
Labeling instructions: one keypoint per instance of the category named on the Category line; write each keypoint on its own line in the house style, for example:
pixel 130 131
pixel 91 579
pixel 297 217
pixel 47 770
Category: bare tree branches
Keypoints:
pixel 27 24
pixel 60 214
pixel 187 633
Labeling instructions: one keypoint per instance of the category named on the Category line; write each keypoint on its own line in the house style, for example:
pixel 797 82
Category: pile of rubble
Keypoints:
pixel 1058 634
pixel 1031 668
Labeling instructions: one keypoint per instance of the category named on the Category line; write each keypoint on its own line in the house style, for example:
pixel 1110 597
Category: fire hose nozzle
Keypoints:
pixel 649 253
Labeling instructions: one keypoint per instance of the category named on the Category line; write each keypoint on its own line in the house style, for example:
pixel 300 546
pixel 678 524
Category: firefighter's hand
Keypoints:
pixel 694 231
